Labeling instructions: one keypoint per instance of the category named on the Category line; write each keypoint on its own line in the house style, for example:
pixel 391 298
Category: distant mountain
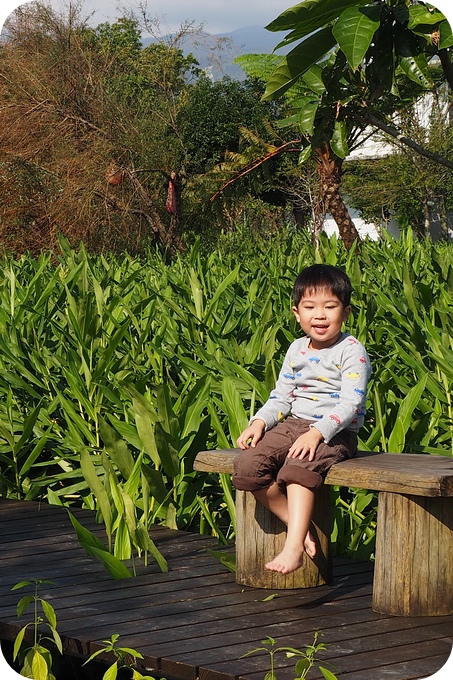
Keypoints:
pixel 216 53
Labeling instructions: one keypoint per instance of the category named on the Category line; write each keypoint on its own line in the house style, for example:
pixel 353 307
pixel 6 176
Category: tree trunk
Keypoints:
pixel 330 181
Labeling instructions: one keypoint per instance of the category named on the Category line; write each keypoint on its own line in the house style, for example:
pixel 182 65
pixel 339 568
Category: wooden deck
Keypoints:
pixel 195 621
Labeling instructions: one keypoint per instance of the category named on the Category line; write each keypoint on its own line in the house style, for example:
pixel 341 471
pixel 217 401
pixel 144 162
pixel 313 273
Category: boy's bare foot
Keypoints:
pixel 310 545
pixel 287 561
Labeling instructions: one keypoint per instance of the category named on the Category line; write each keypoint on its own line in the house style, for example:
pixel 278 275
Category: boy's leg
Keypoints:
pixel 277 502
pixel 300 505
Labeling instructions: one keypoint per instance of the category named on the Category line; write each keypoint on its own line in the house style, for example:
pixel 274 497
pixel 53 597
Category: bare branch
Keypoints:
pixel 371 119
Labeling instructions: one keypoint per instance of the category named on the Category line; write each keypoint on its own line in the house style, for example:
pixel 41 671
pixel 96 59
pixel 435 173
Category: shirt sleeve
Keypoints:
pixel 350 408
pixel 278 406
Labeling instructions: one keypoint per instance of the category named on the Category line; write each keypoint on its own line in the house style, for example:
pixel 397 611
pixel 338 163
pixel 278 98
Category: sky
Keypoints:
pixel 217 16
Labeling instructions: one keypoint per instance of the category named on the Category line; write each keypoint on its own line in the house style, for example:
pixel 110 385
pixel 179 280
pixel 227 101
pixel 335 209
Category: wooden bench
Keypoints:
pixel 414 542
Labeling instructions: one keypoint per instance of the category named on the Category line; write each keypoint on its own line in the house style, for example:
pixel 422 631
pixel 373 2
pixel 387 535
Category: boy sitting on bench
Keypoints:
pixel 312 417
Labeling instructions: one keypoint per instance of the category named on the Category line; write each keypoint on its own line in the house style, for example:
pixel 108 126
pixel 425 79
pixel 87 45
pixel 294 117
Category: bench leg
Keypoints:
pixel 414 556
pixel 260 536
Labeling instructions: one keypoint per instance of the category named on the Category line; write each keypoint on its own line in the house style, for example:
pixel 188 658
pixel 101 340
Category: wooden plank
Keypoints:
pixel 195 621
pixel 410 473
pixel 414 556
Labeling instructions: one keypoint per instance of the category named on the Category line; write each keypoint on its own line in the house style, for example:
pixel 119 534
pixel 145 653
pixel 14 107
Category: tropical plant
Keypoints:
pixel 125 657
pixel 115 371
pixel 355 64
pixel 36 660
pixel 306 661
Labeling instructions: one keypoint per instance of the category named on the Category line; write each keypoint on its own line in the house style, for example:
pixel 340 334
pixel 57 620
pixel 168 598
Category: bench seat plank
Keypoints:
pixel 407 473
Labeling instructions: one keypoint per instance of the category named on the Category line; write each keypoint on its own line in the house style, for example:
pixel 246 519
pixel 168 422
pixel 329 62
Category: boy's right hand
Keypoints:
pixel 251 435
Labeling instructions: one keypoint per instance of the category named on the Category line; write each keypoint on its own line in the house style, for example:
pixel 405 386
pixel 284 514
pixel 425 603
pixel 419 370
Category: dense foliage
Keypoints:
pixel 95 129
pixel 129 367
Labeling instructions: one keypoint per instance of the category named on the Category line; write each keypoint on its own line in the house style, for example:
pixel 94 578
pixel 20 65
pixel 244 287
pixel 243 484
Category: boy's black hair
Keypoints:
pixel 322 277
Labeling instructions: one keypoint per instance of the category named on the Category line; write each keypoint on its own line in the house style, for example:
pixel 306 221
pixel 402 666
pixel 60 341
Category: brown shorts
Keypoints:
pixel 258 468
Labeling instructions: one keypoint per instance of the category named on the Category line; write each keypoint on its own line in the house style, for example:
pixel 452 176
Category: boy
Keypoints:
pixel 311 418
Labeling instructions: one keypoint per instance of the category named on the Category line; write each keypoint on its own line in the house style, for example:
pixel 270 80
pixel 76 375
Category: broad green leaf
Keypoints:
pixel 117 448
pixel 29 424
pixel 86 539
pixel 228 560
pixel 234 409
pixel 416 68
pixel 446 35
pixel 420 14
pixel 18 641
pixel 127 430
pixel 308 16
pixel 228 281
pixel 305 154
pixel 313 78
pixel 39 666
pixel 23 604
pixel 270 675
pixel 156 481
pixel 112 564
pixel 145 541
pixel 301 666
pixel 308 106
pixel 298 61
pixel 57 640
pixel 145 416
pixel 49 613
pixel 123 540
pixel 34 455
pixel 354 31
pixel 97 487
pixel 339 142
pixel 404 416
pixel 168 454
pixel 328 675
pixel 111 672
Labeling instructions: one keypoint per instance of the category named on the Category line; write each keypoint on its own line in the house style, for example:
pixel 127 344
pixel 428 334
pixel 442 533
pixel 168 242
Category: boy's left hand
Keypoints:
pixel 307 443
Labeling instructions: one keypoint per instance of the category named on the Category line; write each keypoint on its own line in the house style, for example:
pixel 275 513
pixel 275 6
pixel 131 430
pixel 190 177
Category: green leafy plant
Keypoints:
pixel 306 661
pixel 36 659
pixel 125 658
pixel 115 372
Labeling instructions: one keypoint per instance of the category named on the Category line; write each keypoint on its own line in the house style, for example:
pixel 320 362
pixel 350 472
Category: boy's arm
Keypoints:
pixel 278 406
pixel 307 443
pixel 251 435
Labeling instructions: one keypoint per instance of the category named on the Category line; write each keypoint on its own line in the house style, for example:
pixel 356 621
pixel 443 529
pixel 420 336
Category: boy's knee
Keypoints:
pixel 293 474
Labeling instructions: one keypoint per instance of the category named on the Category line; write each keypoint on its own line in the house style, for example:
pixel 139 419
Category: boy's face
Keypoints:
pixel 321 315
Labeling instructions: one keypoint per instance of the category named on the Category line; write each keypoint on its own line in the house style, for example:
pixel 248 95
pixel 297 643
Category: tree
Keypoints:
pixel 218 123
pixel 87 133
pixel 350 70
pixel 412 188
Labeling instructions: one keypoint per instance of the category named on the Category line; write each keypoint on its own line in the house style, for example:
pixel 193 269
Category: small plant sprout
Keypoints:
pixel 307 658
pixel 123 656
pixel 37 659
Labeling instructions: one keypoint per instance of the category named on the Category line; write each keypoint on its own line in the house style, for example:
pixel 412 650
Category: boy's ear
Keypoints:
pixel 296 313
pixel 346 312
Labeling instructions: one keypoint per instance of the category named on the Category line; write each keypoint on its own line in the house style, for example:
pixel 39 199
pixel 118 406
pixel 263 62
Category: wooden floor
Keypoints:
pixel 195 621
